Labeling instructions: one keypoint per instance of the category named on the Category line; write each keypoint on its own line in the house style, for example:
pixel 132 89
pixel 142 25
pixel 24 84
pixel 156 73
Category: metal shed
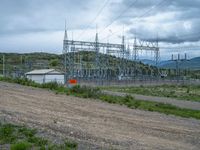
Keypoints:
pixel 45 76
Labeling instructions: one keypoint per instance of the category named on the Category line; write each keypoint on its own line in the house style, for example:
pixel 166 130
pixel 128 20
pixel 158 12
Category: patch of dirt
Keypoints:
pixel 94 124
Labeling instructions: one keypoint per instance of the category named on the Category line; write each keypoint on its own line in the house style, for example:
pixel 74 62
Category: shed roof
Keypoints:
pixel 43 71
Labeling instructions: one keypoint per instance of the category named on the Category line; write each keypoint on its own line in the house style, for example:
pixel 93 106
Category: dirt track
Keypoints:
pixel 95 124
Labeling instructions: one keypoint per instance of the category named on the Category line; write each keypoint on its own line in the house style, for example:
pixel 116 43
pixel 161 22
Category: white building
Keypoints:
pixel 45 76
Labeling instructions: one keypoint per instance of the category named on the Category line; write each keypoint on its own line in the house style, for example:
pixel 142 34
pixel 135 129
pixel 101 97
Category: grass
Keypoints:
pixel 129 101
pixel 22 138
pixel 22 145
pixel 182 92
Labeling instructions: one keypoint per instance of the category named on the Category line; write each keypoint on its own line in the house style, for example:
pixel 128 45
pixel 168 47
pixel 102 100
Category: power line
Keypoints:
pixel 149 10
pixel 97 15
pixel 125 10
pixel 113 33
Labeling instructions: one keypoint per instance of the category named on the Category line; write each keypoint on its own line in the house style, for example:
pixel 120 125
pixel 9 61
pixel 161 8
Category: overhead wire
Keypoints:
pixel 124 11
pixel 149 10
pixel 106 2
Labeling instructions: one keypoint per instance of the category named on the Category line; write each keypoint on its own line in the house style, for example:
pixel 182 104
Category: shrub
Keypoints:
pixel 23 145
pixel 188 89
pixel 50 85
pixel 84 91
pixel 70 145
pixel 38 141
pixel 7 133
pixel 128 99
pixel 26 139
pixel 27 132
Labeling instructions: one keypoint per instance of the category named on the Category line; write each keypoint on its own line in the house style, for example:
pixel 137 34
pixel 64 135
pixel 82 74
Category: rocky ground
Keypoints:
pixel 94 124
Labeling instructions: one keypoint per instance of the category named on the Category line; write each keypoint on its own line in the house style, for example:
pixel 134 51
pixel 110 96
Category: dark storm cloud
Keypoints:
pixel 182 18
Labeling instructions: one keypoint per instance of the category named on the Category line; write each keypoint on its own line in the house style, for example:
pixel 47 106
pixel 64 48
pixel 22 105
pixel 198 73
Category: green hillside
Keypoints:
pixel 29 61
pixel 192 64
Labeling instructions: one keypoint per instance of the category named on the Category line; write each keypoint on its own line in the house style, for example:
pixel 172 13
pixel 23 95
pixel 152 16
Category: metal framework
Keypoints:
pixel 100 67
pixel 178 61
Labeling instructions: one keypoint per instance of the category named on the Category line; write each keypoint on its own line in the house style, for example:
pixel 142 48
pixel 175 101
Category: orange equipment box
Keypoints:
pixel 72 81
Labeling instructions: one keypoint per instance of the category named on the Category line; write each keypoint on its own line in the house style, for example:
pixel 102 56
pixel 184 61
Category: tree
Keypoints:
pixel 54 63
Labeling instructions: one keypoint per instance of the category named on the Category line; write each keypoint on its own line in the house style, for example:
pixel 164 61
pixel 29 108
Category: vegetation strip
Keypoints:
pixel 21 138
pixel 180 92
pixel 95 93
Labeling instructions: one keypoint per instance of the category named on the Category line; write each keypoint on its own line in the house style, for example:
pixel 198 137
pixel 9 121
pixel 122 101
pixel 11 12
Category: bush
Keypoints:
pixel 7 133
pixel 23 145
pixel 50 85
pixel 37 141
pixel 84 91
pixel 188 89
pixel 54 62
pixel 27 132
pixel 128 99
pixel 26 139
pixel 71 145
pixel 22 81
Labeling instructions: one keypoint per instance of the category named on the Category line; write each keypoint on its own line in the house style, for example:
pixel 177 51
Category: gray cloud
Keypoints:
pixel 38 15
pixel 174 21
pixel 171 20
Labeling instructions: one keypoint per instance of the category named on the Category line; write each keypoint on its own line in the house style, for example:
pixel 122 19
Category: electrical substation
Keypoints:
pixel 100 68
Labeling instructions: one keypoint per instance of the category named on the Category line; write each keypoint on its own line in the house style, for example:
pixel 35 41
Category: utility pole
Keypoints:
pixel 157 57
pixel 65 50
pixel 21 60
pixel 123 56
pixel 97 56
pixel 178 61
pixel 4 65
pixel 135 57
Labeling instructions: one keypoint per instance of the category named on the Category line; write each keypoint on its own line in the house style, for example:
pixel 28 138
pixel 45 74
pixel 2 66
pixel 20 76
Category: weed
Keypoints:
pixel 182 92
pixel 7 133
pixel 27 132
pixel 23 145
pixel 188 90
pixel 26 139
pixel 70 144
pixel 85 92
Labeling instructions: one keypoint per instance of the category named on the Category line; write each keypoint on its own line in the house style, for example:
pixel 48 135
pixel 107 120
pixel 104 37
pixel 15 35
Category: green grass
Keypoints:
pixel 22 145
pixel 182 92
pixel 129 101
pixel 22 138
pixel 132 103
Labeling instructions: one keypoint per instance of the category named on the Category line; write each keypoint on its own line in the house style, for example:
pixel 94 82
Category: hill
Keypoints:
pixel 192 64
pixel 22 63
pixel 148 62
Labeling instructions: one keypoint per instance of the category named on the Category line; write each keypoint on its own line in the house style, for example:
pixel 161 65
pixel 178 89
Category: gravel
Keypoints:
pixel 94 124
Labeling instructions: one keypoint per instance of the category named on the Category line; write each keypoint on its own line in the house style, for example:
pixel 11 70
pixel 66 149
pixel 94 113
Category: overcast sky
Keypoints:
pixel 38 25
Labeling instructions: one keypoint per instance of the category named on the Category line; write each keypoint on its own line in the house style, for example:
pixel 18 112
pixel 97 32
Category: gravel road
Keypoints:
pixel 94 124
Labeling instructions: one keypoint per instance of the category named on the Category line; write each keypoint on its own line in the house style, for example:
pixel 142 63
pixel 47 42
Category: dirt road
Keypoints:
pixel 95 124
pixel 179 103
